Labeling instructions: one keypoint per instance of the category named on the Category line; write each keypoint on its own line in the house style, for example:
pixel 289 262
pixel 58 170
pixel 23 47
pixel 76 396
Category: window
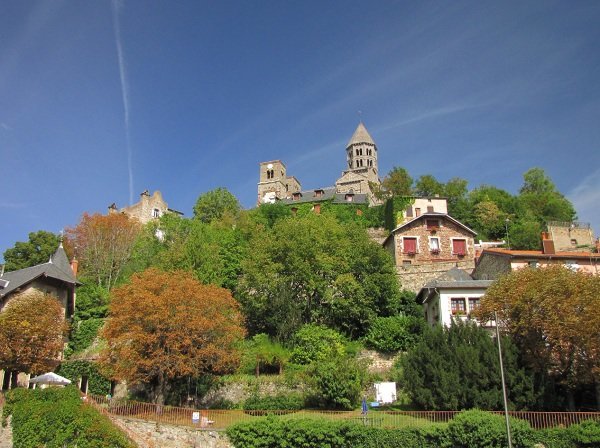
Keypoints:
pixel 432 224
pixel 474 303
pixel 573 242
pixel 318 193
pixel 434 245
pixel 270 174
pixel 156 213
pixel 317 209
pixel 458 306
pixel 532 263
pixel 459 247
pixel 349 197
pixel 294 211
pixel 296 196
pixel 430 209
pixel 409 245
pixel 406 262
pixel 417 211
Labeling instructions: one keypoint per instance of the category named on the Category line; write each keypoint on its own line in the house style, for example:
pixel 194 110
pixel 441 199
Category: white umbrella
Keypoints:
pixel 50 378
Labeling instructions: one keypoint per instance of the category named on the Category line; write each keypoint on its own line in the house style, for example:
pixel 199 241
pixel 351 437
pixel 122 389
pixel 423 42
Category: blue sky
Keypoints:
pixel 101 100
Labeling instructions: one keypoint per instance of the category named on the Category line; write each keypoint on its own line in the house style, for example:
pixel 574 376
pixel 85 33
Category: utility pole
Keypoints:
pixel 506 221
pixel 503 382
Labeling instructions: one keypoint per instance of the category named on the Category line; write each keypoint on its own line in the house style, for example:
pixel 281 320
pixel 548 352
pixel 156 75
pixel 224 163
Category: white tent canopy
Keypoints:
pixel 51 379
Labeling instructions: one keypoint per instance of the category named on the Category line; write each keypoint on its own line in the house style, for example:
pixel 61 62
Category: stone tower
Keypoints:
pixel 361 159
pixel 274 183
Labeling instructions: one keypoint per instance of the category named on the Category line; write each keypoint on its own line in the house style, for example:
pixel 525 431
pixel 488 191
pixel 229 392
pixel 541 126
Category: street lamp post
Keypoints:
pixel 503 382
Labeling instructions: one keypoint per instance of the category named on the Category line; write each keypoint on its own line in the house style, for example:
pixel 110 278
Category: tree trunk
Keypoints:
pixel 160 392
pixel 570 400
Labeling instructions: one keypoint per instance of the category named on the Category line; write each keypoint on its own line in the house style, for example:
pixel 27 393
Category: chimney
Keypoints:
pixel 2 269
pixel 547 244
pixel 74 266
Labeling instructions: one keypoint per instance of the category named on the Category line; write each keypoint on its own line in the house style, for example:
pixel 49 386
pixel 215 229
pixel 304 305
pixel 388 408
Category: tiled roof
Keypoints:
pixel 361 135
pixel 455 278
pixel 58 267
pixel 539 253
pixel 435 215
pixel 328 194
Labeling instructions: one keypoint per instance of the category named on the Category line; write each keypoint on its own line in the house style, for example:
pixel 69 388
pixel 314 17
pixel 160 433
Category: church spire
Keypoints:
pixel 361 135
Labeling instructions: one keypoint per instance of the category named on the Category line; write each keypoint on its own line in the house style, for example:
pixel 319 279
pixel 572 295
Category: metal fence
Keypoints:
pixel 217 419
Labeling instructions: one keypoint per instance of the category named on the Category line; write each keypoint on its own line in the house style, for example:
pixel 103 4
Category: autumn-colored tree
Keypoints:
pixel 554 315
pixel 32 329
pixel 165 326
pixel 103 244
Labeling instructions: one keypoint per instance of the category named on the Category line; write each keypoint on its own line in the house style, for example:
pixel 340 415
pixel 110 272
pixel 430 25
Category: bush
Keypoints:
pixel 316 343
pixel 271 432
pixel 84 332
pixel 395 333
pixel 56 417
pixel 76 369
pixel 481 429
pixel 586 434
pixel 336 384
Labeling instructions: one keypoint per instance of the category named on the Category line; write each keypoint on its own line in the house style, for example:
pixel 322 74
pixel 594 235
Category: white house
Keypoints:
pixel 453 295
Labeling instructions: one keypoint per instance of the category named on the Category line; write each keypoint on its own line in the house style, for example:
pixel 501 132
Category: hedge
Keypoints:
pixel 470 429
pixel 57 417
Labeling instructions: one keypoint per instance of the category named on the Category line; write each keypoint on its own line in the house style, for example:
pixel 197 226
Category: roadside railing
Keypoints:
pixel 217 419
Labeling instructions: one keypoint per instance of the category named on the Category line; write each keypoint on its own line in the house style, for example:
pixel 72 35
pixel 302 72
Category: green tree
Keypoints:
pixel 427 185
pixel 552 313
pixel 313 269
pixel 215 204
pixel 316 343
pixel 542 200
pixel 336 383
pixel 458 368
pixel 396 183
pixel 456 191
pixel 37 250
pixel 394 333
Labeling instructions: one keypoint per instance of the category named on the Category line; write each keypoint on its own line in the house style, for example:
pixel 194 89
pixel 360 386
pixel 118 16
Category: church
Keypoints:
pixel 354 185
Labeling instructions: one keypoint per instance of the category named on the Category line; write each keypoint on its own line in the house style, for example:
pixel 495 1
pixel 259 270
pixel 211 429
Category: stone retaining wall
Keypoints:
pixel 151 435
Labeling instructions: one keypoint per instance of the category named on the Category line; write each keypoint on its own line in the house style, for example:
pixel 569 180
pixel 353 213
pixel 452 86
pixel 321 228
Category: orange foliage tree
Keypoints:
pixel 554 315
pixel 103 244
pixel 32 330
pixel 164 326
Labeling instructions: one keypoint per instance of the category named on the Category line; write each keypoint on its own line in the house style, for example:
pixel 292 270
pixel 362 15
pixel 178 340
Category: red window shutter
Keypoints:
pixel 410 245
pixel 459 247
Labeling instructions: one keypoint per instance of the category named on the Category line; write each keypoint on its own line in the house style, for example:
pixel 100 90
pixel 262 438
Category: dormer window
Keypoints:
pixel 318 193
pixel 156 213
pixel 296 196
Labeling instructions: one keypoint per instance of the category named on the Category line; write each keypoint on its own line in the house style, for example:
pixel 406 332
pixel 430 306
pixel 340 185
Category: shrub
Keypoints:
pixel 481 429
pixel 56 417
pixel 84 332
pixel 316 343
pixel 336 384
pixel 76 369
pixel 395 333
pixel 586 434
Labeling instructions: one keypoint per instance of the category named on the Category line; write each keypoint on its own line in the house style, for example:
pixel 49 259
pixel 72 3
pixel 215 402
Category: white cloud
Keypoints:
pixel 586 197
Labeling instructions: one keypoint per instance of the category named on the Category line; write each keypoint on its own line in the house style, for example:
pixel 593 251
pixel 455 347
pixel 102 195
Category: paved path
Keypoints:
pixel 5 437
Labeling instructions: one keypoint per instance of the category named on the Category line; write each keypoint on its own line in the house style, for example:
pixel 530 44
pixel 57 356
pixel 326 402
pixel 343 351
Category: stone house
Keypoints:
pixel 56 277
pixel 148 208
pixel 429 245
pixel 451 296
pixel 571 236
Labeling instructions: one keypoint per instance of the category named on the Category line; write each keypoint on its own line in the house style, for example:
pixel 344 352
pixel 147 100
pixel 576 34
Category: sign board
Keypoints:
pixel 385 393
pixel 195 417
